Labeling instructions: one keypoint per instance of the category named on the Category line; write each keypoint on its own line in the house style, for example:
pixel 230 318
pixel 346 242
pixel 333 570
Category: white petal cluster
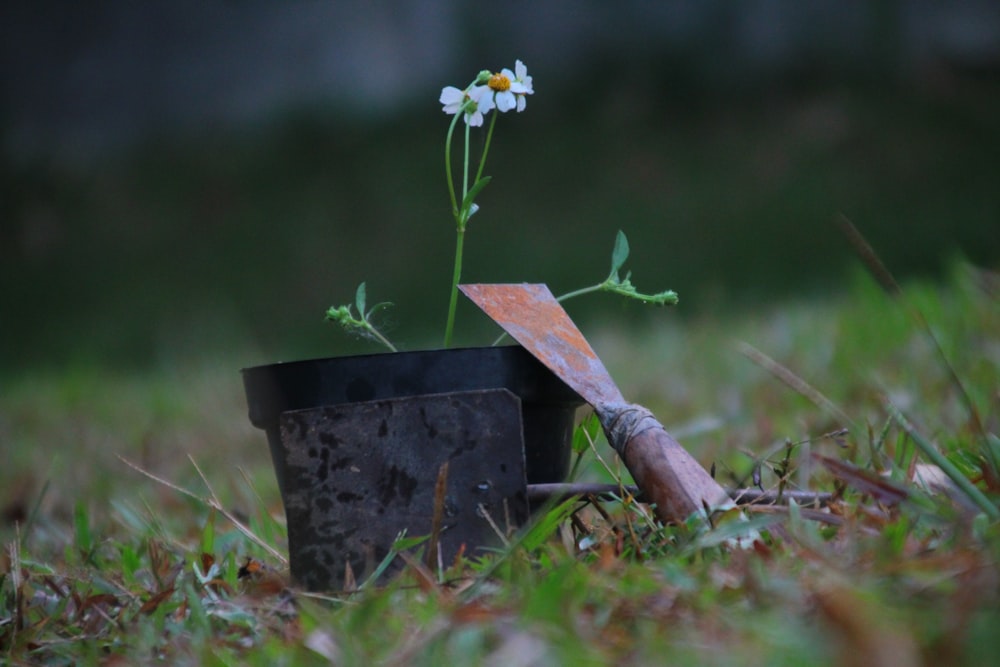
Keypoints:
pixel 506 90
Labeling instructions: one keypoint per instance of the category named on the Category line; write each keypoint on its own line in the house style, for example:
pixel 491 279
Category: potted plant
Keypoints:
pixel 339 409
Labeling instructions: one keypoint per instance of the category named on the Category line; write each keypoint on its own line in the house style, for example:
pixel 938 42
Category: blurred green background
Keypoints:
pixel 229 234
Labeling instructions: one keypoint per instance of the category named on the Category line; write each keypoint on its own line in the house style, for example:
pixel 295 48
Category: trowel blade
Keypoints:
pixel 532 316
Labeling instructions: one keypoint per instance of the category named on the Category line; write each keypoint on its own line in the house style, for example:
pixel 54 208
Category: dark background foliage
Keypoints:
pixel 192 177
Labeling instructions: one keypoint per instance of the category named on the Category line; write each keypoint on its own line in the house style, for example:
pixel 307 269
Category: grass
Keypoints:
pixel 107 566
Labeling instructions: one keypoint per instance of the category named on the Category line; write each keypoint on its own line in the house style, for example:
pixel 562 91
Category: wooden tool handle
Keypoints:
pixel 664 471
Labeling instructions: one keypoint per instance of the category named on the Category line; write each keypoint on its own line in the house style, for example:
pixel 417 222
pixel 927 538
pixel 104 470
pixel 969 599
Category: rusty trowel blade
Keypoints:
pixel 533 317
pixel 665 472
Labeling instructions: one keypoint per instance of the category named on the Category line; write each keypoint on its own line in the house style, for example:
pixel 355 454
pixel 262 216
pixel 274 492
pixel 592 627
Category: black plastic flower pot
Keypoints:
pixel 357 444
pixel 548 406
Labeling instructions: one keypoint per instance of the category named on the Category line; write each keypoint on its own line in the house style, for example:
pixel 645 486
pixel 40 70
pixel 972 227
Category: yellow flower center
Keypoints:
pixel 499 83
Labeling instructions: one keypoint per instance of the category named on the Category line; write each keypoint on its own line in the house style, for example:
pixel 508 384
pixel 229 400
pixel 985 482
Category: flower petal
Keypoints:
pixel 452 98
pixel 474 119
pixel 505 101
pixel 450 94
pixel 522 78
pixel 483 97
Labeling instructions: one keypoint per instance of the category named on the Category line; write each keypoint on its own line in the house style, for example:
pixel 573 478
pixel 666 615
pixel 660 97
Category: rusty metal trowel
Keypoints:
pixel 665 472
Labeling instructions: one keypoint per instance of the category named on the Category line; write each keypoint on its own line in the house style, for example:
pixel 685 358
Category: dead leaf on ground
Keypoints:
pixel 880 489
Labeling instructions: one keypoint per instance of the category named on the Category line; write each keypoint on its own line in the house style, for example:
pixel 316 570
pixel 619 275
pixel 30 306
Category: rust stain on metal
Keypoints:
pixel 533 317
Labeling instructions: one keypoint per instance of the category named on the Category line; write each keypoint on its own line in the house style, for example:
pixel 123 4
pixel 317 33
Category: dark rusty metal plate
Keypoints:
pixel 533 317
pixel 359 474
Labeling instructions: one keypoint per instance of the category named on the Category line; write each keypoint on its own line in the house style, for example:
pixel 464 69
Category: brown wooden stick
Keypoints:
pixel 539 493
pixel 671 478
pixel 668 475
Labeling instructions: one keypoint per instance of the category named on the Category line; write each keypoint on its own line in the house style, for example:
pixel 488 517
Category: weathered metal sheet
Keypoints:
pixel 532 316
pixel 359 474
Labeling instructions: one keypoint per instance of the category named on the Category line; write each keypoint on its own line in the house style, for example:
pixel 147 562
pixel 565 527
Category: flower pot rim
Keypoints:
pixel 548 403
pixel 501 349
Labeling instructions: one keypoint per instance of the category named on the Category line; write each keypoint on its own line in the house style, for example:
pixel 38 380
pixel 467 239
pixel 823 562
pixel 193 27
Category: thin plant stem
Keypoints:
pixel 580 292
pixel 456 277
pixel 459 227
pixel 486 147
pixel 462 212
pixel 381 338
pixel 447 166
pixel 463 216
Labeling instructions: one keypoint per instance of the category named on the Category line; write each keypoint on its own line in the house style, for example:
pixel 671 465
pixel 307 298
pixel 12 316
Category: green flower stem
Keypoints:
pixel 465 178
pixel 486 147
pixel 461 220
pixel 459 226
pixel 456 277
pixel 447 165
pixel 462 212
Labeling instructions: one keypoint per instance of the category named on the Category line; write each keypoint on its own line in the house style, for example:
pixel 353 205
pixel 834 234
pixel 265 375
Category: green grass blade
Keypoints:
pixel 81 530
pixel 941 461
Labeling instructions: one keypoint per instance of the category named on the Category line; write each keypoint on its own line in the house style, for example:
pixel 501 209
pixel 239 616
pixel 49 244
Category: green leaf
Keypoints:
pixel 81 528
pixel 377 307
pixel 208 534
pixel 587 431
pixel 939 459
pixel 993 451
pixel 359 299
pixel 401 543
pixel 130 561
pixel 474 191
pixel 546 526
pixel 404 543
pixel 620 252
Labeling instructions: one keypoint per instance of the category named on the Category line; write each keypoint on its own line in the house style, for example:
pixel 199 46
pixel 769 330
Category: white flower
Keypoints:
pixel 474 102
pixel 521 77
pixel 509 88
pixel 452 98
